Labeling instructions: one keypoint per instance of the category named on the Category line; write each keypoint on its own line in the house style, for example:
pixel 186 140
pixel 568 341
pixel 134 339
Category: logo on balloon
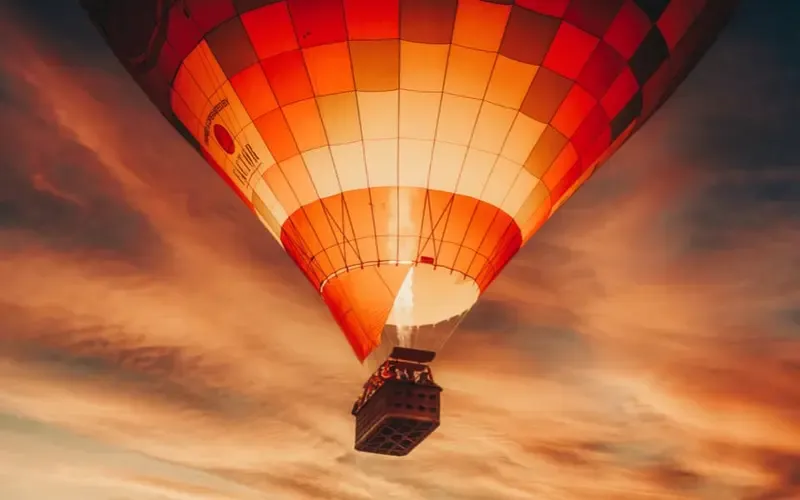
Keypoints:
pixel 216 110
pixel 246 162
pixel 224 139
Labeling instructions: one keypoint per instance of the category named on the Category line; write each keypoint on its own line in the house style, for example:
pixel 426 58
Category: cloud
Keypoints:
pixel 643 346
pixel 55 191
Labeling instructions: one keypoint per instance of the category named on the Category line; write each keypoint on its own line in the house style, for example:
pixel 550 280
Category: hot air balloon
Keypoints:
pixel 402 151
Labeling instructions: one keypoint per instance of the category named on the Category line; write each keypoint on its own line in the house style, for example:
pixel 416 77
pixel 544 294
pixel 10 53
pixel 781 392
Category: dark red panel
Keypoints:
pixel 528 35
pixel 231 46
pixel 317 22
pixel 133 30
pixel 600 145
pixel 628 29
pixel 656 87
pixel 604 65
pixel 595 125
pixel 570 50
pixel 243 6
pixel 626 116
pixel 270 29
pixel 182 34
pixel 371 20
pixel 555 8
pixel 207 15
pixel 676 19
pixel 620 92
pixel 425 21
pixel 168 63
pixel 593 16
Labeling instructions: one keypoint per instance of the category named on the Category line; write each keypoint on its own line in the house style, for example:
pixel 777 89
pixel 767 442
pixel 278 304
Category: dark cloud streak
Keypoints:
pixel 55 191
pixel 177 375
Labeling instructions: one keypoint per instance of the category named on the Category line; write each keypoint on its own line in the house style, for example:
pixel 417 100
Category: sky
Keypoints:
pixel 156 344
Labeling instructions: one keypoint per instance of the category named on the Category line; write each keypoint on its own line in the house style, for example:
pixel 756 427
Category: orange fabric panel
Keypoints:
pixel 270 29
pixel 371 20
pixel 254 91
pixel 361 300
pixel 276 134
pixel 367 226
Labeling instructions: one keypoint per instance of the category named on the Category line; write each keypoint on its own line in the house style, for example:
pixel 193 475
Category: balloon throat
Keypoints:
pixel 404 310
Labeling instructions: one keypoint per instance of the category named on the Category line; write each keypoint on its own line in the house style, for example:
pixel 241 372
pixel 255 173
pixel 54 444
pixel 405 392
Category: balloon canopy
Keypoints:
pixel 402 151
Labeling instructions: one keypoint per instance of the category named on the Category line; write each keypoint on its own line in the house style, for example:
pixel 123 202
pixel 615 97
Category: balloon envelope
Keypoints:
pixel 402 151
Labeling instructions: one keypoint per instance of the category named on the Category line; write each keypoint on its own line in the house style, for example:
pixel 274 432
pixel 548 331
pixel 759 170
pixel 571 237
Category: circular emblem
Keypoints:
pixel 224 139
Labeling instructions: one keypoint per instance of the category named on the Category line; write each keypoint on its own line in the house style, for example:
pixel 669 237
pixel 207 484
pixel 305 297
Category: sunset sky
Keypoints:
pixel 156 343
